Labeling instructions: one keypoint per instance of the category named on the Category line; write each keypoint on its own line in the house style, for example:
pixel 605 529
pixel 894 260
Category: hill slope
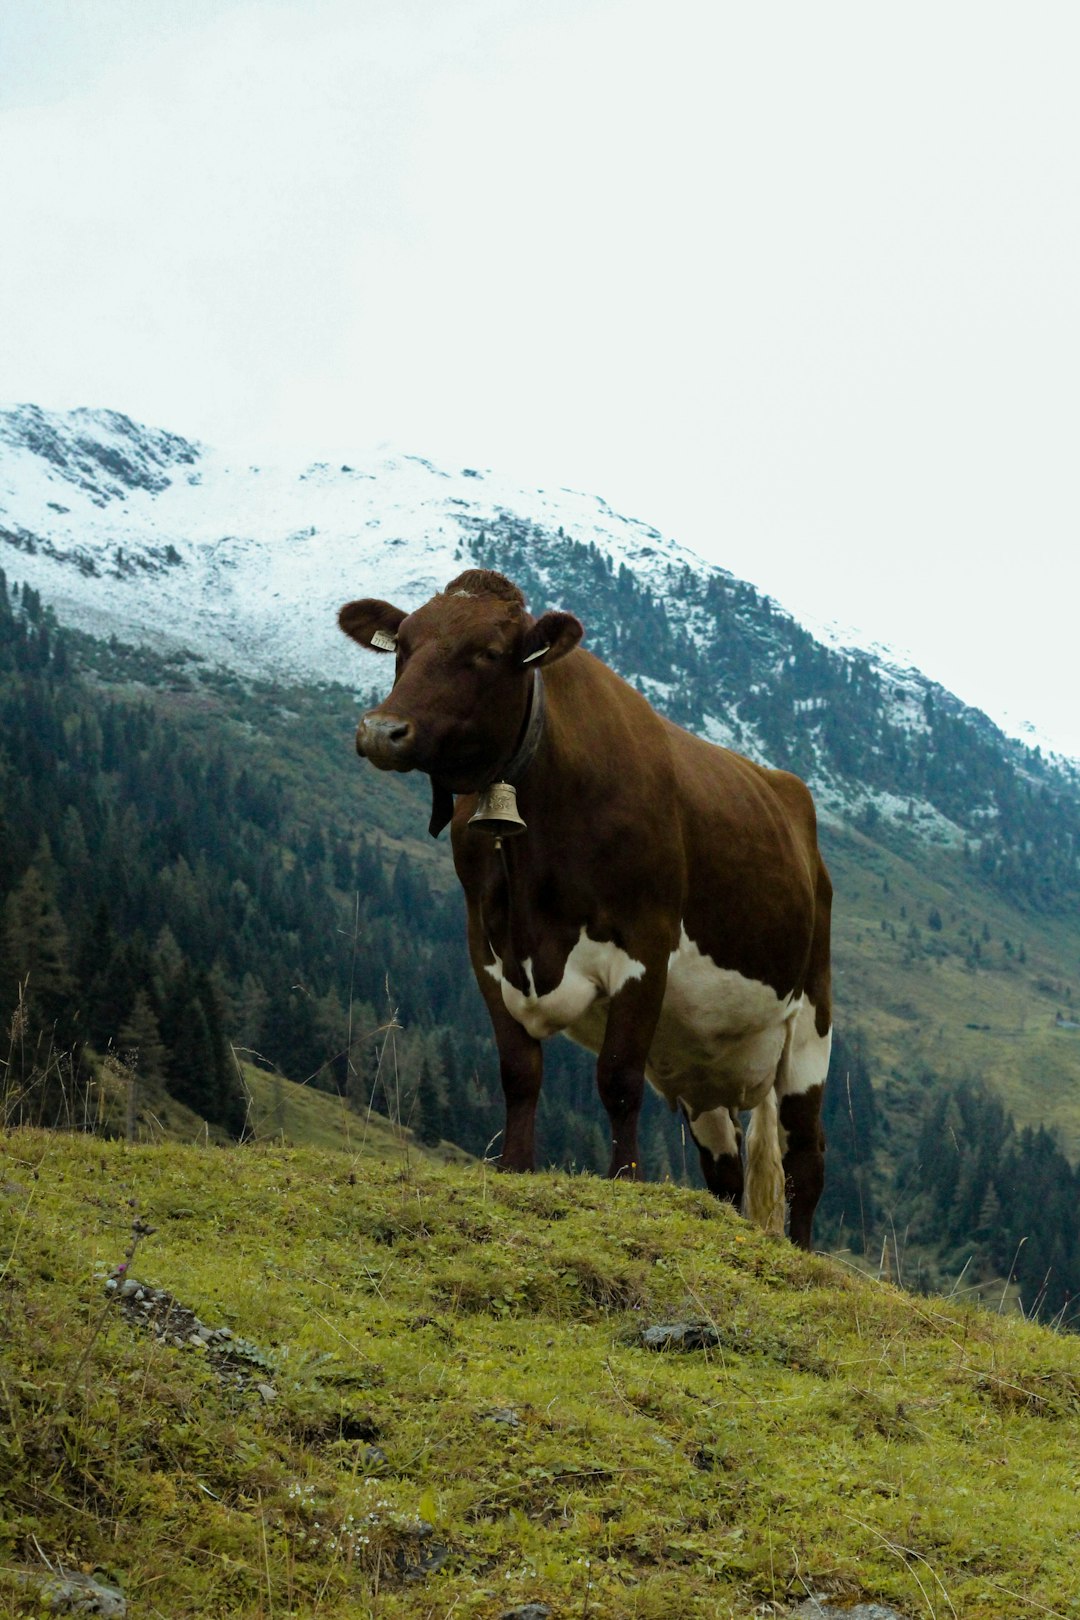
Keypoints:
pixel 436 1397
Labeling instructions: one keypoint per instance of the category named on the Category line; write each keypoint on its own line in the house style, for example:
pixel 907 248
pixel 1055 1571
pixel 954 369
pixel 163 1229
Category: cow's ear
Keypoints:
pixel 373 624
pixel 551 638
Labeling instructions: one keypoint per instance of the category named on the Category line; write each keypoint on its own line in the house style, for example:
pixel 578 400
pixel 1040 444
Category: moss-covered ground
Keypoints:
pixel 437 1401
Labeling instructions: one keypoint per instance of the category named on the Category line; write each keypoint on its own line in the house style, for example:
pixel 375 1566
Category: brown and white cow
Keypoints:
pixel 667 906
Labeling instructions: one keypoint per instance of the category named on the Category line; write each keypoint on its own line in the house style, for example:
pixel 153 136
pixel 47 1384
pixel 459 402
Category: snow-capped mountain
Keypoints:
pixel 132 531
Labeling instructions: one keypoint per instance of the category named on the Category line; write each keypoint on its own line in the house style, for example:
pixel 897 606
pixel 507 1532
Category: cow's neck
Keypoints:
pixel 532 730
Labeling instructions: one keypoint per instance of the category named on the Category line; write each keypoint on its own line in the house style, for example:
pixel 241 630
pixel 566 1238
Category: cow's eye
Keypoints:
pixel 490 655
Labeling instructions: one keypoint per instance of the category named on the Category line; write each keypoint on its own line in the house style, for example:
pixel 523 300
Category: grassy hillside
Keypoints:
pixel 288 1115
pixel 929 1000
pixel 435 1399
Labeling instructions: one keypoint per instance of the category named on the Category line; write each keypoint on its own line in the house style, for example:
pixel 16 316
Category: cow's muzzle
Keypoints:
pixel 386 741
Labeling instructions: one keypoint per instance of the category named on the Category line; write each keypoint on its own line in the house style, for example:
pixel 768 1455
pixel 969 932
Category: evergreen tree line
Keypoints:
pixel 999 1201
pixel 978 1197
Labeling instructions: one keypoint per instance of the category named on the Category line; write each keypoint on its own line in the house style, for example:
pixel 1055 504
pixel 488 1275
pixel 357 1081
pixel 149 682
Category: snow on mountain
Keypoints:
pixel 134 532
pixel 137 532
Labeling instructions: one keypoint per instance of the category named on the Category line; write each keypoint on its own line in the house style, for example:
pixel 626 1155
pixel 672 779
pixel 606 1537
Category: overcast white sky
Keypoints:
pixel 796 282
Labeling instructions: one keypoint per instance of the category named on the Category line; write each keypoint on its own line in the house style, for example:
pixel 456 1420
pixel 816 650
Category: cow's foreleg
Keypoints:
pixel 620 1066
pixel 521 1062
pixel 521 1069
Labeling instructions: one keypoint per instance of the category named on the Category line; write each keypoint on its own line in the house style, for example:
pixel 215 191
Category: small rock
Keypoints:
pixel 680 1336
pixel 204 1333
pixel 128 1288
pixel 224 1333
pixel 373 1457
pixel 502 1414
pixel 815 1609
pixel 527 1611
pixel 66 1591
pixel 267 1391
pixel 433 1559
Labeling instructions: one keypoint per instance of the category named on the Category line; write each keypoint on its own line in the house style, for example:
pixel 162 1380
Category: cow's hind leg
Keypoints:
pixel 718 1135
pixel 800 1087
pixel 800 1083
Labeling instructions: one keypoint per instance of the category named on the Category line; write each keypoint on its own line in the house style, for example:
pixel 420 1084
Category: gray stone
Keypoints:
pixel 816 1609
pixel 66 1591
pixel 680 1336
pixel 267 1391
pixel 527 1611
pixel 430 1561
pixel 502 1414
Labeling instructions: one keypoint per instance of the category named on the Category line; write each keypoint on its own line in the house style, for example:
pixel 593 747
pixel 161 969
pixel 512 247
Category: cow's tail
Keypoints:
pixel 763 1200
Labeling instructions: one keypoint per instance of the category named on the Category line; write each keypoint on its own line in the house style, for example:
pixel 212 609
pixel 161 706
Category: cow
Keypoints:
pixel 658 898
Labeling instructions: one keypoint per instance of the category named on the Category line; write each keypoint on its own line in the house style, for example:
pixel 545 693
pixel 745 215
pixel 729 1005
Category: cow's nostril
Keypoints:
pixel 386 740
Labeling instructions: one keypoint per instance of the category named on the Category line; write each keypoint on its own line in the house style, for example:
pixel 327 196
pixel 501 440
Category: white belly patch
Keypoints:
pixel 594 970
pixel 720 1036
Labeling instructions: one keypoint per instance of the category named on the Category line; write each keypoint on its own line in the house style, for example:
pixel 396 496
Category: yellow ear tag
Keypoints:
pixel 383 641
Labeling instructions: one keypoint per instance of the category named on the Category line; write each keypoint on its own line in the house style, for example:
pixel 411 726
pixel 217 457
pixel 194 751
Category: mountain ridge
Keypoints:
pixel 151 522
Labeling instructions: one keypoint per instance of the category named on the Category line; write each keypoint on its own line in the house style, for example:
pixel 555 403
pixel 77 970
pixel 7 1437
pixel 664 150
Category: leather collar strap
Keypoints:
pixel 442 800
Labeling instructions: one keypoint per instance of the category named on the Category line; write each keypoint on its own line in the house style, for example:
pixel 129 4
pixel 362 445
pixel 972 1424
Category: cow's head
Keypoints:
pixel 464 670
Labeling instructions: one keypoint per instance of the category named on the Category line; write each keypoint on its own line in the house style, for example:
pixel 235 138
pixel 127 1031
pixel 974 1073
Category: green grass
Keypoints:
pixel 291 1115
pixel 458 1381
pixel 925 1006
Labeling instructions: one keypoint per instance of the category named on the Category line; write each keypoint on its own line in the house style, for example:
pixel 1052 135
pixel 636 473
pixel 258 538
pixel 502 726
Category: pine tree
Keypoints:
pixel 34 951
pixel 140 1040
